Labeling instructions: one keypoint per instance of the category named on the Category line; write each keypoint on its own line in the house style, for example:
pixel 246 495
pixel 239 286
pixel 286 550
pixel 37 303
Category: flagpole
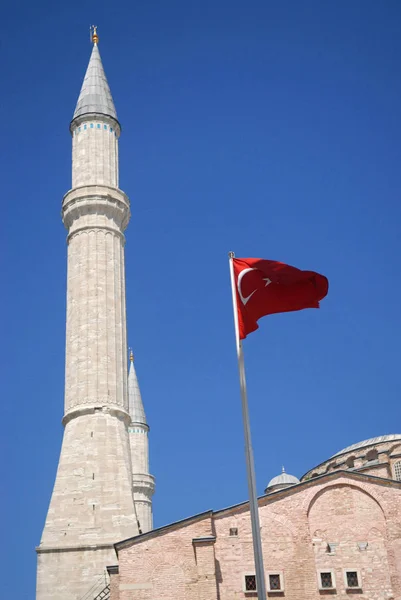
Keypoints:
pixel 250 466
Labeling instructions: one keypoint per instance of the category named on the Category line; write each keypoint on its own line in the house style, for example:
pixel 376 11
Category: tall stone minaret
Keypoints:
pixel 92 504
pixel 143 484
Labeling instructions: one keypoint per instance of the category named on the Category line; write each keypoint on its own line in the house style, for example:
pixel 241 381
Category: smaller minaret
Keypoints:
pixel 143 484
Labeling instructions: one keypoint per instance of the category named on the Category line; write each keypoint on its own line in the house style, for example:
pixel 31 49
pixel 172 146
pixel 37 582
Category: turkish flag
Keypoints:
pixel 265 287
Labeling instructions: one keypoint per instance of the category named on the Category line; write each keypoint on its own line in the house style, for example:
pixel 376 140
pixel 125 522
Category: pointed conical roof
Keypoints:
pixel 95 96
pixel 136 409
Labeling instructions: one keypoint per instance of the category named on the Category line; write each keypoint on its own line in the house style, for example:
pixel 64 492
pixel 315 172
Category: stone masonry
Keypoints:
pixel 92 505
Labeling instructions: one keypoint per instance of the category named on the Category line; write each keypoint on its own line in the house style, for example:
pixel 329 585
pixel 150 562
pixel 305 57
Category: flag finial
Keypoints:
pixel 93 34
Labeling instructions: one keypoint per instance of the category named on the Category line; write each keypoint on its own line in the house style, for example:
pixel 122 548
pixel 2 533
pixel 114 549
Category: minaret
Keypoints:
pixel 143 484
pixel 92 504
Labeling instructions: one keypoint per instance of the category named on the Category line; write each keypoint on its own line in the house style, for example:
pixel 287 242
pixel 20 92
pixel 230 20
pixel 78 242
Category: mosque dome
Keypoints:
pixel 368 456
pixel 281 481
pixel 370 442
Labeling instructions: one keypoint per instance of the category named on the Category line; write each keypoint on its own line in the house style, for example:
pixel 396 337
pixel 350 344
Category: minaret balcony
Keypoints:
pixel 143 482
pixel 95 206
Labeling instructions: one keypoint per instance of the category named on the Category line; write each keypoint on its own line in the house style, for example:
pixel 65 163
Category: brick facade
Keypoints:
pixel 332 523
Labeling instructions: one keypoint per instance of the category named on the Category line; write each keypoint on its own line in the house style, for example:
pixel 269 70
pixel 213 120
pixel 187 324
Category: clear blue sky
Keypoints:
pixel 268 128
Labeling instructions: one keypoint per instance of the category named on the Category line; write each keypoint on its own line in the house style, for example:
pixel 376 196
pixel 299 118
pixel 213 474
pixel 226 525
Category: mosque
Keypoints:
pixel 336 531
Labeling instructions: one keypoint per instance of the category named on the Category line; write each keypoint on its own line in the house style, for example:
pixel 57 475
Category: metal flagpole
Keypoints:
pixel 253 502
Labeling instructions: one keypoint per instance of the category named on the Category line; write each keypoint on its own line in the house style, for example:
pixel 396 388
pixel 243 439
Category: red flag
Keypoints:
pixel 265 287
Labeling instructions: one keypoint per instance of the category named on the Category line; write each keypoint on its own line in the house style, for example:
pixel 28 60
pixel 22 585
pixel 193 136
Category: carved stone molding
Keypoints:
pixel 108 207
pixel 90 410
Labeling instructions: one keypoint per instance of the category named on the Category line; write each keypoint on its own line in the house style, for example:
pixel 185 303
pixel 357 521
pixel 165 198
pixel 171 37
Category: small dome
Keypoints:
pixel 281 481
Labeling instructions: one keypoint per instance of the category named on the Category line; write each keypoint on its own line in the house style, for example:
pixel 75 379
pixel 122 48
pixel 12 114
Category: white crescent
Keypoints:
pixel 240 276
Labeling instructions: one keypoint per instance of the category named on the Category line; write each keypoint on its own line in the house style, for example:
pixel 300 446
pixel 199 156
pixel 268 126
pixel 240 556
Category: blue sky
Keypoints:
pixel 267 128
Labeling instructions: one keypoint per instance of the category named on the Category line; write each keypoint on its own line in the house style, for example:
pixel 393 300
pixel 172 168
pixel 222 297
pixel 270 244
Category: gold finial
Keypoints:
pixel 131 355
pixel 94 35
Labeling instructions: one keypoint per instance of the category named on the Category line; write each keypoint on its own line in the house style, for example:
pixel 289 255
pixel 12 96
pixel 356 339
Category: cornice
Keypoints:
pixel 113 570
pixel 204 541
pixel 95 200
pixel 78 548
pixel 79 411
pixel 144 484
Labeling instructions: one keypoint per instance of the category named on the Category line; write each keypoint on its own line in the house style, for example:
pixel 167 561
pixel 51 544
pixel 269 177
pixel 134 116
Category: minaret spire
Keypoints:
pixel 135 404
pixel 143 484
pixel 95 96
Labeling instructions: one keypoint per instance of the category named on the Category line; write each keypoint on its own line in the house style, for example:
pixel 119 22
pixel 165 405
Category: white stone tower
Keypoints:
pixel 143 484
pixel 92 504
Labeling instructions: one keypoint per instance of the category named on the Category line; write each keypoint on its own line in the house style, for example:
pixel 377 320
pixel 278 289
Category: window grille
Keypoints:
pixel 250 583
pixel 326 580
pixel 352 579
pixel 274 582
pixel 397 470
pixel 233 531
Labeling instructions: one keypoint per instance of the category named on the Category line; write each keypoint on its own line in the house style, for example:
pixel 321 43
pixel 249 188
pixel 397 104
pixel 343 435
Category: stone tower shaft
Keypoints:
pixel 143 484
pixel 92 504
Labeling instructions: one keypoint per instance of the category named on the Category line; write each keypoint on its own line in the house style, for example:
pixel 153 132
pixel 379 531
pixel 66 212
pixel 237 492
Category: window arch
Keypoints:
pixel 372 455
pixel 350 462
pixel 397 470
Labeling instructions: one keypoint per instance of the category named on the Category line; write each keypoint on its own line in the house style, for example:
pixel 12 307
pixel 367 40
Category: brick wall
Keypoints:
pixel 359 518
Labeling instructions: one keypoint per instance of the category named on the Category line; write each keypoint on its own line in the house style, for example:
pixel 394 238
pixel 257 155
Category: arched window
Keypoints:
pixel 372 455
pixel 350 462
pixel 397 470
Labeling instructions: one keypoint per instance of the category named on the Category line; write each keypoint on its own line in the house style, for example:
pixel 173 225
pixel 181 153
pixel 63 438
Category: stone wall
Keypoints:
pixel 92 500
pixel 96 344
pixel 95 151
pixel 339 523
pixel 72 574
pixel 143 484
